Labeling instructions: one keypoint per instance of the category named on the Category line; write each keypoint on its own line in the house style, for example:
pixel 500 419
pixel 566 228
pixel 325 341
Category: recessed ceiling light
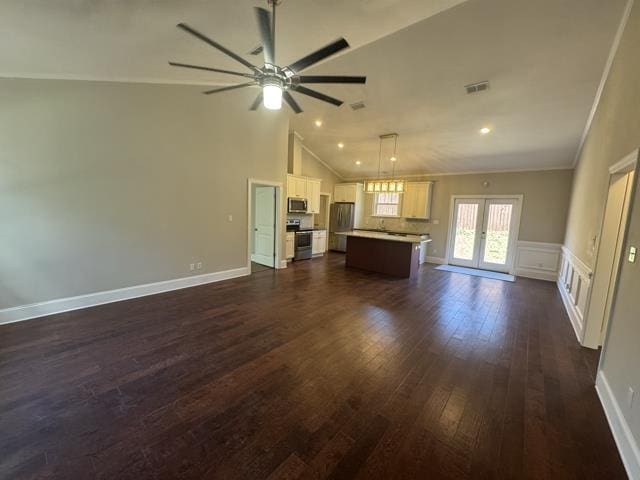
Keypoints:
pixel 318 123
pixel 393 159
pixel 341 145
pixel 485 130
pixel 358 162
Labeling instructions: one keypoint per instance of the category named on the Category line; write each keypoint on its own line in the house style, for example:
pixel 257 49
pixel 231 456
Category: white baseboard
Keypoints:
pixel 622 434
pixel 283 264
pixel 436 260
pixel 536 274
pixel 34 310
pixel 572 311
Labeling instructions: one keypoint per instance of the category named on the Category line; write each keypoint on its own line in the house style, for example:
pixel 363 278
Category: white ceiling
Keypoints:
pixel 133 39
pixel 544 59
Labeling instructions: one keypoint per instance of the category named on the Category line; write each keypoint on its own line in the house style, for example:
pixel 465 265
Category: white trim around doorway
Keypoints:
pixel 279 219
pixel 513 242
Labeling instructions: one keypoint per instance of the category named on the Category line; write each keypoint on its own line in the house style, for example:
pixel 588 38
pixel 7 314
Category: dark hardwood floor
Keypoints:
pixel 311 372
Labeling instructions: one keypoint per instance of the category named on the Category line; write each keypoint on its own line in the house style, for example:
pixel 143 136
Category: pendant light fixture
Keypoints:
pixel 392 185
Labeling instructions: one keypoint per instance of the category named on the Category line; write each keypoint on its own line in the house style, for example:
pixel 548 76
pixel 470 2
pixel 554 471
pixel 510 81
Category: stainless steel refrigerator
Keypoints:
pixel 341 219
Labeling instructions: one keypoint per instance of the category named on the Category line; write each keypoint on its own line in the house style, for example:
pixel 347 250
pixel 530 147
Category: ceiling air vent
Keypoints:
pixel 357 106
pixel 477 87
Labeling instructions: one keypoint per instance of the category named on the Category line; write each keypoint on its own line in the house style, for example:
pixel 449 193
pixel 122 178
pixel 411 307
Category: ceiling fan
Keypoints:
pixel 276 82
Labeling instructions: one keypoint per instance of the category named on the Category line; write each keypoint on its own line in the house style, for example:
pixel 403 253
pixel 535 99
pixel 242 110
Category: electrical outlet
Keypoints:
pixel 436 222
pixel 192 266
pixel 632 254
pixel 199 266
pixel 630 395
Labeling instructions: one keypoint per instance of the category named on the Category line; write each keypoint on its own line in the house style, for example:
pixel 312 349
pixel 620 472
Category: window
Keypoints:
pixel 387 204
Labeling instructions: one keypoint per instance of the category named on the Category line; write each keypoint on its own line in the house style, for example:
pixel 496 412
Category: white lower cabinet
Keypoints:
pixel 319 244
pixel 291 245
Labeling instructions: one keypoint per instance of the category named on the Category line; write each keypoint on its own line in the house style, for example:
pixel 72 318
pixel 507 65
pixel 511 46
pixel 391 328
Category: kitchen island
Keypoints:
pixel 393 254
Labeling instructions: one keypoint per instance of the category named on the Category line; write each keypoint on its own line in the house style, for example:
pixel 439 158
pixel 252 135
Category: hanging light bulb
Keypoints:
pixel 272 94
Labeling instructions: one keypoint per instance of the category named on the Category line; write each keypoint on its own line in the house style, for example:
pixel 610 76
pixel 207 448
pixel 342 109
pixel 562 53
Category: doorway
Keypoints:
pixel 610 250
pixel 483 232
pixel 264 200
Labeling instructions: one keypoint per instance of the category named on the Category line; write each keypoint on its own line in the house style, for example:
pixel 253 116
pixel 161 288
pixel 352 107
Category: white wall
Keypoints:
pixel 109 185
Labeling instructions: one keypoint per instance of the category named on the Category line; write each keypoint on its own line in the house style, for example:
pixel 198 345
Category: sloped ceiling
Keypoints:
pixel 544 60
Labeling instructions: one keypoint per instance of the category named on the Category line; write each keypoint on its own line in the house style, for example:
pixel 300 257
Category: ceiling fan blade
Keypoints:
pixel 318 55
pixel 329 79
pixel 256 103
pixel 318 95
pixel 230 87
pixel 215 44
pixel 210 69
pixel 291 102
pixel 266 35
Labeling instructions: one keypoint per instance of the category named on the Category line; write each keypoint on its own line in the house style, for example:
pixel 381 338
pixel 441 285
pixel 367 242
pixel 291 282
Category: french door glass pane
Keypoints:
pixel 465 236
pixel 497 237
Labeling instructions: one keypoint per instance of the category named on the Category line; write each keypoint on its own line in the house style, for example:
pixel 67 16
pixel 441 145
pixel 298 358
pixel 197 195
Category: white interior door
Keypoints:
pixel 264 234
pixel 496 252
pixel 467 224
pixel 483 233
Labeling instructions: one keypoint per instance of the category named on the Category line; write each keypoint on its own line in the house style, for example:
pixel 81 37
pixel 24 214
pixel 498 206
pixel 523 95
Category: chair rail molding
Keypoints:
pixel 539 260
pixel 574 283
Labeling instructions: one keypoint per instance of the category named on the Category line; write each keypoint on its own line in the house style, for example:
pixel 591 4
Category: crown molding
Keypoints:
pixel 322 162
pixel 603 79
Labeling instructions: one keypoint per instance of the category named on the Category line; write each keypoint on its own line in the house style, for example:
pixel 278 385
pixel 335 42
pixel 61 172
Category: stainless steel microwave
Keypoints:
pixel 297 205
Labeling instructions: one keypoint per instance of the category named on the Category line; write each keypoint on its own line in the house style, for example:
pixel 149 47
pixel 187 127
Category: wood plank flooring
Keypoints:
pixel 312 372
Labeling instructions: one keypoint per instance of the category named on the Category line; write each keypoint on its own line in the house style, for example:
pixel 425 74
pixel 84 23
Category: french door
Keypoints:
pixel 483 233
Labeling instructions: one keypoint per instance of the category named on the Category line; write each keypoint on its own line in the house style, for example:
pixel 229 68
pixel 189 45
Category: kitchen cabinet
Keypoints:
pixel 305 187
pixel 291 245
pixel 313 195
pixel 296 186
pixel 416 202
pixel 351 193
pixel 319 245
pixel 346 192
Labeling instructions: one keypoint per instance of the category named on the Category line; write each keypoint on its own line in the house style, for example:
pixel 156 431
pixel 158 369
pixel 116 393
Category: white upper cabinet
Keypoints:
pixel 296 186
pixel 305 187
pixel 346 192
pixel 313 196
pixel 416 202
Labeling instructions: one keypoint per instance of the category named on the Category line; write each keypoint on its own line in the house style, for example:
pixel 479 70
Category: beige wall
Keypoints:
pixel 544 209
pixel 615 132
pixel 107 185
pixel 311 167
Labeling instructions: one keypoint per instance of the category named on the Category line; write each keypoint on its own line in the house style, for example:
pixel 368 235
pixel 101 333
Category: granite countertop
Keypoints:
pixel 399 232
pixel 394 237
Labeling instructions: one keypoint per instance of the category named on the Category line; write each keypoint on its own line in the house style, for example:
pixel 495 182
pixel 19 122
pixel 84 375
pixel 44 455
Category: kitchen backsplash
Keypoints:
pixel 399 224
pixel 306 221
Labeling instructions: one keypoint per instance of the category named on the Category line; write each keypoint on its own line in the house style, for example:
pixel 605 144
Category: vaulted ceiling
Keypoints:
pixel 543 59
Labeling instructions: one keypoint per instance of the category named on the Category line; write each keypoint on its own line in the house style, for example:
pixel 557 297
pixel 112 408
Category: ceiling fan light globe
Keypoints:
pixel 272 97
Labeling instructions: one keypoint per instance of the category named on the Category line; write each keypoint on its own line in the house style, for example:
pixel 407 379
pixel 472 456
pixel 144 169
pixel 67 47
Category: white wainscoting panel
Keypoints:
pixel 574 283
pixel 622 434
pixel 538 260
pixel 34 310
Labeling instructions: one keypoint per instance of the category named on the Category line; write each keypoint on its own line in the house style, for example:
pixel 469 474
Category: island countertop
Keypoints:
pixel 394 237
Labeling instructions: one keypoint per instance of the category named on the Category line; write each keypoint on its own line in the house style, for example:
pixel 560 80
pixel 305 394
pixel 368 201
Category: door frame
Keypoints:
pixel 279 225
pixel 593 336
pixel 513 242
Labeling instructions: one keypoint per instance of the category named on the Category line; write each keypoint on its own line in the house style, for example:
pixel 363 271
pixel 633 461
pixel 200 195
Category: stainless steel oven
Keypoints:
pixel 297 205
pixel 303 250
